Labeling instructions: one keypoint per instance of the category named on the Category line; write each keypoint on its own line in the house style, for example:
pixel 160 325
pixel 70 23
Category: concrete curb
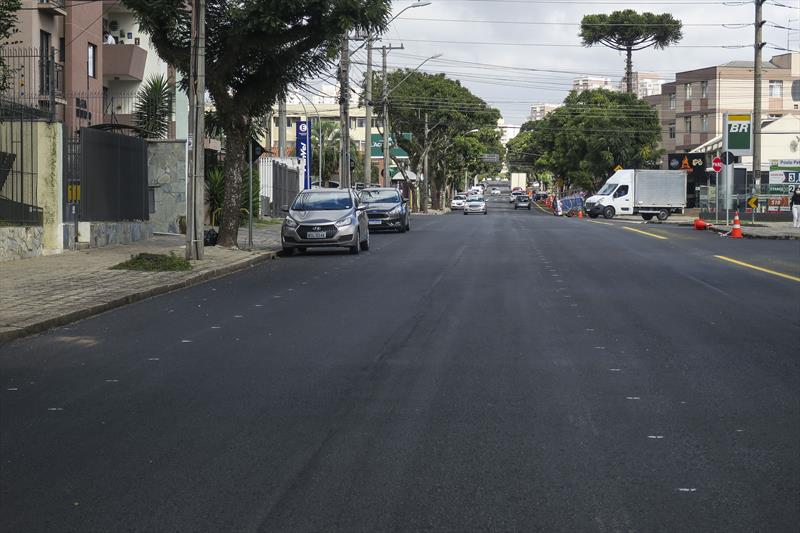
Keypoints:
pixel 75 316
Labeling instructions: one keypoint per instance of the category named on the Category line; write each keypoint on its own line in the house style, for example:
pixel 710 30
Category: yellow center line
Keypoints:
pixel 645 233
pixel 760 269
pixel 603 223
pixel 542 208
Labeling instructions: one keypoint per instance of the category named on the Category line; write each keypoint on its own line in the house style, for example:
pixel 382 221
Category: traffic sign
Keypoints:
pixel 490 158
pixel 752 202
pixel 716 164
pixel 728 158
pixel 617 168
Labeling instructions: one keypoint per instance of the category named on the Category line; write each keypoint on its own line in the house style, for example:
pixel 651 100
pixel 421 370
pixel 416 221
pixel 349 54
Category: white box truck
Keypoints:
pixel 519 179
pixel 649 193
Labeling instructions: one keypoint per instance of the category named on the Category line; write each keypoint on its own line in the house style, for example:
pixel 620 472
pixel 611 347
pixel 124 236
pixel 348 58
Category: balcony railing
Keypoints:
pixel 54 7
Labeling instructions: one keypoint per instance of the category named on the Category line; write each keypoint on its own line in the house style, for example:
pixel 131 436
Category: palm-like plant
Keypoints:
pixel 153 110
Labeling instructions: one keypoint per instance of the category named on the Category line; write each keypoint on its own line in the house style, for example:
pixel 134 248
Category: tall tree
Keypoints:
pixel 8 22
pixel 452 111
pixel 628 31
pixel 581 142
pixel 255 49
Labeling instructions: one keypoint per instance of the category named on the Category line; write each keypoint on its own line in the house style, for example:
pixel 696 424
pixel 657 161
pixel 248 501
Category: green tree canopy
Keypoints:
pixel 582 141
pixel 452 111
pixel 255 49
pixel 8 22
pixel 628 31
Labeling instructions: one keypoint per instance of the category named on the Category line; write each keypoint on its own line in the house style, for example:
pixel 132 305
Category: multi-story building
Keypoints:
pixel 541 110
pixel 691 108
pixel 644 84
pixel 507 131
pixel 587 83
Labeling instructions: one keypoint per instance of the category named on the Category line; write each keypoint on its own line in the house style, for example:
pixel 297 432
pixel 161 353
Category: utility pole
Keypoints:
pixel 344 113
pixel 387 180
pixel 282 128
pixel 250 195
pixel 758 45
pixel 195 201
pixel 368 115
pixel 426 181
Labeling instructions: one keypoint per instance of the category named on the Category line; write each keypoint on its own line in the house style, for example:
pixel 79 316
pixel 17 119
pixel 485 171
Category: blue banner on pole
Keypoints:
pixel 303 148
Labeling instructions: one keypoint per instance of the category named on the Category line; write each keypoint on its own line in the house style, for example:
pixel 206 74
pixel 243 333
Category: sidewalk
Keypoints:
pixel 44 292
pixel 761 230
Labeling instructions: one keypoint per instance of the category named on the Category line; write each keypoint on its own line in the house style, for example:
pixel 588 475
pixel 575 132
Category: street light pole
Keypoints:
pixel 368 115
pixel 195 201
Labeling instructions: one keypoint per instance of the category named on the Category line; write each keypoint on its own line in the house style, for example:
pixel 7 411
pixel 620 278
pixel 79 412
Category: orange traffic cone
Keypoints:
pixel 580 213
pixel 736 232
pixel 700 224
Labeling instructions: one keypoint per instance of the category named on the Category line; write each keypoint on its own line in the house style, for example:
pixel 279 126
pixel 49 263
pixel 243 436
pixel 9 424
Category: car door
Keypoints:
pixel 622 199
pixel 360 210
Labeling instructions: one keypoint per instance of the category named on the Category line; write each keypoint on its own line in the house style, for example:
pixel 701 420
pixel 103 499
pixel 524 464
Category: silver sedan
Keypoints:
pixel 325 217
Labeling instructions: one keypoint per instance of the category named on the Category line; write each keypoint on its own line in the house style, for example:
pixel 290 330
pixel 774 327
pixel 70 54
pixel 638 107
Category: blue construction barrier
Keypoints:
pixel 569 203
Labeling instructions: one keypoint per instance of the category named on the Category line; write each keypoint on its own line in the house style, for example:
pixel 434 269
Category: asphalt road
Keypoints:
pixel 515 371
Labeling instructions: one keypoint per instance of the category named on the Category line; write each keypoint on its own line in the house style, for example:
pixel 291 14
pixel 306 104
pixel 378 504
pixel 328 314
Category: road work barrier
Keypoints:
pixel 570 205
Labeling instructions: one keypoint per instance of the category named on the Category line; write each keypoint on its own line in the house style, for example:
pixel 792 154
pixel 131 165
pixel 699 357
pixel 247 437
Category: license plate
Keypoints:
pixel 374 222
pixel 316 235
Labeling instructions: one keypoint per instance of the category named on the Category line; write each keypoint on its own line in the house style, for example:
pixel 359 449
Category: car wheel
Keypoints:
pixel 663 214
pixel 647 216
pixel 408 223
pixel 609 212
pixel 357 246
pixel 404 227
pixel 465 212
pixel 365 244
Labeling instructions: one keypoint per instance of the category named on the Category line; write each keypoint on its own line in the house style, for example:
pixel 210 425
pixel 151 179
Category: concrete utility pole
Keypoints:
pixel 368 115
pixel 426 180
pixel 387 180
pixel 282 128
pixel 195 188
pixel 757 76
pixel 344 113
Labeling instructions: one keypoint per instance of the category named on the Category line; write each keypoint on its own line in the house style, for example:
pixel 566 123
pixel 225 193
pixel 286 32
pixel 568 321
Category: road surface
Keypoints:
pixel 515 371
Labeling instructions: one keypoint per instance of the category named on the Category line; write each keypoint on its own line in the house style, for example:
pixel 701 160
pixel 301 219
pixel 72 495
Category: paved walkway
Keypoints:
pixel 43 292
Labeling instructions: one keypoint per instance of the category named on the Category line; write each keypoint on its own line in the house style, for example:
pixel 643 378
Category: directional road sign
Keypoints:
pixel 728 158
pixel 752 202
pixel 716 164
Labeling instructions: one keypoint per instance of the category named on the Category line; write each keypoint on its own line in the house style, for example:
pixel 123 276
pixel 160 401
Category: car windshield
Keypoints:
pixel 372 197
pixel 476 199
pixel 608 188
pixel 459 197
pixel 323 201
pixel 522 198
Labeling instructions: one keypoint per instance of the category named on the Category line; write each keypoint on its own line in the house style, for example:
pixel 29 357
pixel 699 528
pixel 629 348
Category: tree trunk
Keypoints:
pixel 629 69
pixel 234 169
pixel 436 195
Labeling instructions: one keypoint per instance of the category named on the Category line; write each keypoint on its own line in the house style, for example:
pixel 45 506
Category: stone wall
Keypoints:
pixel 166 176
pixel 99 234
pixel 20 242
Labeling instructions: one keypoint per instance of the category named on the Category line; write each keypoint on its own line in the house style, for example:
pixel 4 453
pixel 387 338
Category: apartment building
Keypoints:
pixel 541 110
pixel 691 108
pixel 644 84
pixel 588 83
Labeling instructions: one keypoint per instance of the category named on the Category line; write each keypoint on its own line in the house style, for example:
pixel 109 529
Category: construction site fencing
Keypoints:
pixel 281 181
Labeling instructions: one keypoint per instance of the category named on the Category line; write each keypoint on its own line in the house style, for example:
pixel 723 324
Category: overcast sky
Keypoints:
pixel 512 91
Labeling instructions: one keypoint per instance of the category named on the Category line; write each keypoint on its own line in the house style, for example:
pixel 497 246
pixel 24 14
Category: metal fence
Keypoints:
pixel 35 80
pixel 281 180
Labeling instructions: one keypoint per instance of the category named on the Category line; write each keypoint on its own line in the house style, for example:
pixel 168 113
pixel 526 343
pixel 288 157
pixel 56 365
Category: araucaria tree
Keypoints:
pixel 628 31
pixel 255 50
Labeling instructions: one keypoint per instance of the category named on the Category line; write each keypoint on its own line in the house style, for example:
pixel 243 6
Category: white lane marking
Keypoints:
pixel 112 381
pixel 739 430
pixel 238 316
pixel 599 347
pixel 687 489
pixel 259 305
pixel 12 388
pixel 171 311
pixel 185 340
pixel 55 408
pixel 632 398
pixel 655 436
pixel 216 327
pixel 615 370
pixel 589 329
pixel 276 296
pixel 153 359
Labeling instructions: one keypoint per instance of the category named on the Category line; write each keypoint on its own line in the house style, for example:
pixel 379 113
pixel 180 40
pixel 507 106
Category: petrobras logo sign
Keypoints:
pixel 303 148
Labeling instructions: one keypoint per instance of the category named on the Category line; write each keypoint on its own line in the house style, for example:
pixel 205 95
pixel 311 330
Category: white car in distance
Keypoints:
pixel 458 202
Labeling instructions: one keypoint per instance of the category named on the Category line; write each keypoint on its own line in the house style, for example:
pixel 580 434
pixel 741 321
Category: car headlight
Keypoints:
pixel 395 211
pixel 290 222
pixel 344 222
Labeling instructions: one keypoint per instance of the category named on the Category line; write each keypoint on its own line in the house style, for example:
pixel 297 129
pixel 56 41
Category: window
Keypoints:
pixel 687 87
pixel 352 123
pixel 672 131
pixel 360 122
pixel 687 124
pixel 289 121
pixel 275 121
pixel 92 60
pixel 704 122
pixel 672 100
pixel 62 50
pixel 704 89
pixel 622 191
pixel 776 88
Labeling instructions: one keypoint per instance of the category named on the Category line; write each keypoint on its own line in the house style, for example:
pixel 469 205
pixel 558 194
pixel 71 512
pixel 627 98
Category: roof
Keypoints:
pixel 748 64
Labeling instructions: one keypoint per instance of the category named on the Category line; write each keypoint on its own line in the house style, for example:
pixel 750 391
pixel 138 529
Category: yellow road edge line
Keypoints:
pixel 603 223
pixel 542 208
pixel 760 269
pixel 645 233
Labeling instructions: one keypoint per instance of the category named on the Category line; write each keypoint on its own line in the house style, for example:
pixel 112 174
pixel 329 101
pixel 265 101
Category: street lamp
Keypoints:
pixel 386 93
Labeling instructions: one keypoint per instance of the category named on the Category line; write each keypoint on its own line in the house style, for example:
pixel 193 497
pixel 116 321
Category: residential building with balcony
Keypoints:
pixel 691 108
pixel 588 83
pixel 541 110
